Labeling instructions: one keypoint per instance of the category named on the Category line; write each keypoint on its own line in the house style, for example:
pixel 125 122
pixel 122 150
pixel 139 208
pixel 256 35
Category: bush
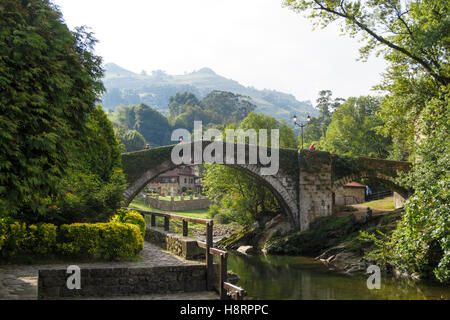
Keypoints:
pixel 114 240
pixel 85 198
pixel 133 217
pixel 12 236
pixel 109 241
pixel 213 211
pixel 16 238
pixel 41 239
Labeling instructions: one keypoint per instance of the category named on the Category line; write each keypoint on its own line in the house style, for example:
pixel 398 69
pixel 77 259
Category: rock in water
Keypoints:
pixel 247 250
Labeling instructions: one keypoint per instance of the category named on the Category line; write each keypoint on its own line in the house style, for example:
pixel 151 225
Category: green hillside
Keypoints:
pixel 155 89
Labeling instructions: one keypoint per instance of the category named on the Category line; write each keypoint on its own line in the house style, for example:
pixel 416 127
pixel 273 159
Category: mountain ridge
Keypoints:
pixel 127 87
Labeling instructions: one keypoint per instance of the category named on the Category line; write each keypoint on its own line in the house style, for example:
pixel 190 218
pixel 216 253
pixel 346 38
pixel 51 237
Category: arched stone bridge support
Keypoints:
pixel 303 185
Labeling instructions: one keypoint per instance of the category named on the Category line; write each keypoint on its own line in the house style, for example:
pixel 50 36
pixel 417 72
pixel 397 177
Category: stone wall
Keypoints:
pixel 98 282
pixel 349 195
pixel 315 187
pixel 184 247
pixel 399 201
pixel 180 205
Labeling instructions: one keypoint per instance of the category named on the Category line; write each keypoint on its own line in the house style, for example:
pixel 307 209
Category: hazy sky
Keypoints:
pixel 255 42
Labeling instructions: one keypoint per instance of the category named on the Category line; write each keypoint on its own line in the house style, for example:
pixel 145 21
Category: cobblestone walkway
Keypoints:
pixel 20 281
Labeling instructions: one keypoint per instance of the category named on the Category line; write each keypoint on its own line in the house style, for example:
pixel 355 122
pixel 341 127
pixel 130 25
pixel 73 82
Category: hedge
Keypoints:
pixel 110 241
pixel 133 217
pixel 17 238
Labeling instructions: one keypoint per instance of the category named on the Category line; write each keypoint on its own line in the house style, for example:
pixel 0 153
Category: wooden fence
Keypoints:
pixel 226 289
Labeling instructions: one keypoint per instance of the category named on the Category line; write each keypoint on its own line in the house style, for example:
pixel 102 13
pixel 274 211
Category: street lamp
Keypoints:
pixel 308 119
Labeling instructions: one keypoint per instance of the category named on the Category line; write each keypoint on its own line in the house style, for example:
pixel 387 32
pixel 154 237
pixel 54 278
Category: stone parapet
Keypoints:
pixel 101 282
pixel 184 247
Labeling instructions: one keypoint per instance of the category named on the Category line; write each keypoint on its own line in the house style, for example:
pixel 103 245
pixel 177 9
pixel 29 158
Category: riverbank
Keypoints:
pixel 335 241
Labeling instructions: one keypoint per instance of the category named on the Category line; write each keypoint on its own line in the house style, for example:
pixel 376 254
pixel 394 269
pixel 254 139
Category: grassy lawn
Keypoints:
pixel 382 204
pixel 174 224
pixel 198 213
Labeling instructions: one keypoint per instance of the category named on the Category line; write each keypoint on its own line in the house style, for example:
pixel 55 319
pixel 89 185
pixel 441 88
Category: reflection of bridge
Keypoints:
pixel 303 185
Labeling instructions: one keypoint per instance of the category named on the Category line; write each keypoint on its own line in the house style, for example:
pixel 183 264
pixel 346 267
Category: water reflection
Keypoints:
pixel 302 278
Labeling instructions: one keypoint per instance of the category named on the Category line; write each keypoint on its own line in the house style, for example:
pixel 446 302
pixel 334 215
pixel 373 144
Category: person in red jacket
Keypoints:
pixel 312 147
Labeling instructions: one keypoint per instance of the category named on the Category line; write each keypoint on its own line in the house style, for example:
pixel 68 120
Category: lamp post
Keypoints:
pixel 308 119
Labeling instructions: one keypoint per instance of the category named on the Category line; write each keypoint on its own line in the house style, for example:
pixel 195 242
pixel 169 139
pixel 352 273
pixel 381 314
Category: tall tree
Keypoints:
pixel 182 99
pixel 153 126
pixel 317 126
pixel 50 80
pixel 130 140
pixel 240 195
pixel 352 130
pixel 413 36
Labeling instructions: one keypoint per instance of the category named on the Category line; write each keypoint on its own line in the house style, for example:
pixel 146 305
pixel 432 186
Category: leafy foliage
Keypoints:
pixel 130 140
pixel 242 197
pixel 107 241
pixel 317 126
pixel 414 39
pixel 50 79
pixel 352 130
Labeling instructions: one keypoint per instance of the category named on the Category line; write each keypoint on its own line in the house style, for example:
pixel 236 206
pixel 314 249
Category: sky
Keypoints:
pixel 255 42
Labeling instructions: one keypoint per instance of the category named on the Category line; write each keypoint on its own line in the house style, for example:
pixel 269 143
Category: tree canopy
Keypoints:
pixel 50 80
pixel 353 129
pixel 413 37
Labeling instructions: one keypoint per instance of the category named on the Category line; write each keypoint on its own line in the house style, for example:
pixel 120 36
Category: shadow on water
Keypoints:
pixel 303 278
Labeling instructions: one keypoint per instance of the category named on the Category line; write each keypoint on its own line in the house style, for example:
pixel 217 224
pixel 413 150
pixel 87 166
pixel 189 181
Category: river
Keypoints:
pixel 299 278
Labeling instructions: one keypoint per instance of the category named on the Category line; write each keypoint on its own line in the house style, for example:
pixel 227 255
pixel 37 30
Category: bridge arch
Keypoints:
pixel 142 166
pixel 304 184
pixel 380 170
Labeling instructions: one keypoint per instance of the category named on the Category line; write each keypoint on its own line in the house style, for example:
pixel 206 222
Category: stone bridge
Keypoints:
pixel 303 185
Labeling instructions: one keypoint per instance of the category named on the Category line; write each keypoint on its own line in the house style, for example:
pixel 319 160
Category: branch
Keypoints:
pixel 442 79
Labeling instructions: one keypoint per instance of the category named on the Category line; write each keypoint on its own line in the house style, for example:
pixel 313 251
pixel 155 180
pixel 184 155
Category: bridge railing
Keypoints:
pixel 379 195
pixel 225 288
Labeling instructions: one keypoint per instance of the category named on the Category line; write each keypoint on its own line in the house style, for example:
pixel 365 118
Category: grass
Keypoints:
pixel 382 204
pixel 197 213
pixel 174 224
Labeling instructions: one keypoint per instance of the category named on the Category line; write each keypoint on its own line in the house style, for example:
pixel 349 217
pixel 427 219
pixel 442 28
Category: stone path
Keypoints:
pixel 20 281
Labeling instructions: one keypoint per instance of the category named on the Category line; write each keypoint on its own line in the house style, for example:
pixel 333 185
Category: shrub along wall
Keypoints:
pixel 121 238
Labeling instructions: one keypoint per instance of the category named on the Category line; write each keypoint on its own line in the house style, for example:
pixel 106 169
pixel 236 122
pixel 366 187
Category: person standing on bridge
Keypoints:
pixel 312 147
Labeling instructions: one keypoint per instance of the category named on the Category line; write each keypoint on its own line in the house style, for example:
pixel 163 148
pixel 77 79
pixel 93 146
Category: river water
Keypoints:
pixel 287 277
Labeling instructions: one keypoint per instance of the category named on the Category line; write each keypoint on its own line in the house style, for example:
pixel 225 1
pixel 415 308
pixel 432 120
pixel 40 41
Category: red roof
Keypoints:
pixel 354 185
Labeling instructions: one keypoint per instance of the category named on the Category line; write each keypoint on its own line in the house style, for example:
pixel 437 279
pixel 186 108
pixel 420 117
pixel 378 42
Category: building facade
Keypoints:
pixel 177 181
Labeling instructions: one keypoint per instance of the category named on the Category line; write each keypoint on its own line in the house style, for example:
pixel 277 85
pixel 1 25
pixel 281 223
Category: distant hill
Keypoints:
pixel 155 89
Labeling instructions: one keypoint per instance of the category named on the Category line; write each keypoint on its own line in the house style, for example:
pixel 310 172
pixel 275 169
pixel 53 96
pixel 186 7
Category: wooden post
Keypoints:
pixel 223 275
pixel 185 228
pixel 152 221
pixel 166 223
pixel 209 257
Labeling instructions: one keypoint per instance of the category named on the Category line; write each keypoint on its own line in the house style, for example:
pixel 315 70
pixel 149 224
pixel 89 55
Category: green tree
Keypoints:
pixel 232 107
pixel 182 99
pixel 352 130
pixel 242 197
pixel 317 126
pixel 130 140
pixel 50 80
pixel 413 37
pixel 153 126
